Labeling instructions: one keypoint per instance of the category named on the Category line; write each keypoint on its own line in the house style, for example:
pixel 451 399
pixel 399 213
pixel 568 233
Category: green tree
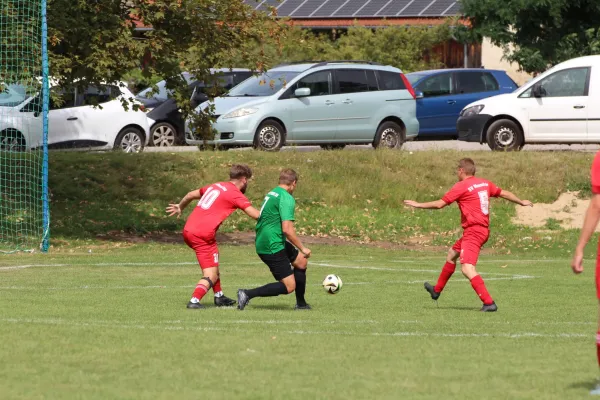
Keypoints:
pixel 537 33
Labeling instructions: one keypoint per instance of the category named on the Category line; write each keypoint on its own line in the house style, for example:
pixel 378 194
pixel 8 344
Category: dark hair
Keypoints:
pixel 468 165
pixel 287 177
pixel 239 171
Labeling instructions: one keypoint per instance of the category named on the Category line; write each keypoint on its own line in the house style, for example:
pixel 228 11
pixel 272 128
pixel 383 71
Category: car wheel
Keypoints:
pixel 12 140
pixel 333 146
pixel 270 136
pixel 130 140
pixel 163 134
pixel 505 135
pixel 389 136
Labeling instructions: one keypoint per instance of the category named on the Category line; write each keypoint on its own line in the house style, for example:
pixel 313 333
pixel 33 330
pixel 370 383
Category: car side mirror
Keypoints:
pixel 419 95
pixel 538 91
pixel 302 92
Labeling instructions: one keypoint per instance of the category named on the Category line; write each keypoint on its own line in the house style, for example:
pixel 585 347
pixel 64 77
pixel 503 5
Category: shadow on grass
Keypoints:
pixel 587 385
pixel 274 307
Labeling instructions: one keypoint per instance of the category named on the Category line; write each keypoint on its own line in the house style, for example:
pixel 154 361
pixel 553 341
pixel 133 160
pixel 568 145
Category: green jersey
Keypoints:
pixel 278 206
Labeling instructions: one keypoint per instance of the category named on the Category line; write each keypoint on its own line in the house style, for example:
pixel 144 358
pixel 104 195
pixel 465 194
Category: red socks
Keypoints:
pixel 217 286
pixel 479 288
pixel 598 346
pixel 447 272
pixel 200 291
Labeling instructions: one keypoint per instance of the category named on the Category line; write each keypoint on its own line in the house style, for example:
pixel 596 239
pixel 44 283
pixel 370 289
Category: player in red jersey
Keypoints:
pixel 217 202
pixel 590 224
pixel 473 197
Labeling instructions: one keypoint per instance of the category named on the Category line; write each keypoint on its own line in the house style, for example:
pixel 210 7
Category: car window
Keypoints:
pixel 240 77
pixel 372 80
pixel 319 83
pixel 438 85
pixel 265 84
pixel 566 83
pixel 390 81
pixel 62 99
pixel 352 80
pixel 476 82
pixel 12 95
pixel 97 95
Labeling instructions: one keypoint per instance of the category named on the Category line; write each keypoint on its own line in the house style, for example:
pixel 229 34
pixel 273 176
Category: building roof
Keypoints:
pixel 358 9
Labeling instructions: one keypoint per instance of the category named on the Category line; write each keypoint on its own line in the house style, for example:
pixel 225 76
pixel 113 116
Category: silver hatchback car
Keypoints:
pixel 330 104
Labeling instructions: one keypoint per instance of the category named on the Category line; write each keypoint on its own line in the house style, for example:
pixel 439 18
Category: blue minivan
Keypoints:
pixel 442 94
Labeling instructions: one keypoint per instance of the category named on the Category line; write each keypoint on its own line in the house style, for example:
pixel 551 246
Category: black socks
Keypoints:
pixel 269 290
pixel 300 276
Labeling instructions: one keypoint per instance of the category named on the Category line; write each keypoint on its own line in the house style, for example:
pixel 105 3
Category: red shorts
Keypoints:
pixel 470 244
pixel 205 247
pixel 598 272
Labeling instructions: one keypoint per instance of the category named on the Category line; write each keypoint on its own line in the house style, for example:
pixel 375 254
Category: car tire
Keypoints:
pixel 130 140
pixel 270 136
pixel 12 140
pixel 505 135
pixel 389 136
pixel 163 134
pixel 333 146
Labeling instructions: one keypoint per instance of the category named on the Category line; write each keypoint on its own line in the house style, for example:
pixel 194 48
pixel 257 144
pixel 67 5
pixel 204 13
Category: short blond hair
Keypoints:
pixel 288 176
pixel 467 165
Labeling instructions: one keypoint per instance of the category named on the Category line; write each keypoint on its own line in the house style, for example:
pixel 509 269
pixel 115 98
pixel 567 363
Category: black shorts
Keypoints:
pixel 280 263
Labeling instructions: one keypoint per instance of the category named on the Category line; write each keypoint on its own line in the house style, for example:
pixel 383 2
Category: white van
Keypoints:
pixel 561 106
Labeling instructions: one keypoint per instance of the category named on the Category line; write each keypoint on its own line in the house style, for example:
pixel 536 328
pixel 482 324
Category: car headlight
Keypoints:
pixel 240 112
pixel 469 112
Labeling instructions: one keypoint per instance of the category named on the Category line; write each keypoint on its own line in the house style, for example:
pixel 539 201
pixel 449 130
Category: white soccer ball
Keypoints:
pixel 332 284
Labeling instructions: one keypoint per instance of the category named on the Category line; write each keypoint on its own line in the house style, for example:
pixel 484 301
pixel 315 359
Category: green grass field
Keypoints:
pixel 112 324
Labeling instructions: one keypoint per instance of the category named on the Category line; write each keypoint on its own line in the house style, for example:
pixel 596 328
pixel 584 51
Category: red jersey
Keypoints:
pixel 596 174
pixel 473 198
pixel 218 202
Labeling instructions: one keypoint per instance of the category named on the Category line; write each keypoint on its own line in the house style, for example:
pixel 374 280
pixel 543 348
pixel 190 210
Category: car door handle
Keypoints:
pixel 347 101
pixel 451 102
pixel 578 106
pixel 72 119
pixel 329 103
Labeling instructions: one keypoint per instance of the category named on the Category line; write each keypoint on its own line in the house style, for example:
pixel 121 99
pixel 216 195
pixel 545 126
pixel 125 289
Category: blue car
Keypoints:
pixel 442 94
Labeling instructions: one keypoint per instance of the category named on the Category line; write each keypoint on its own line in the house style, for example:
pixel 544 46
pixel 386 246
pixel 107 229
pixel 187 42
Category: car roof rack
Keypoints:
pixel 323 63
pixel 298 62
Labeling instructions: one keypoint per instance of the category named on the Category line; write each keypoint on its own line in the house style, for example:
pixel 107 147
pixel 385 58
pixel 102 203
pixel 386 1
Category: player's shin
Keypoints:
pixel 268 290
pixel 445 276
pixel 300 277
pixel 479 288
pixel 217 288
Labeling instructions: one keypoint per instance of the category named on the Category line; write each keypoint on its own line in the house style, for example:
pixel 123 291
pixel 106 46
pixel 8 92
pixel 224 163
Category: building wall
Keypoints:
pixel 492 57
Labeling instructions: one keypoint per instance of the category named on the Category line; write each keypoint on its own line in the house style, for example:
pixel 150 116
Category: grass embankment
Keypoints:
pixel 356 195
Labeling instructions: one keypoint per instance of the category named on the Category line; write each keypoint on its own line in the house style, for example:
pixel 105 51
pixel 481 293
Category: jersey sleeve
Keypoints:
pixel 287 207
pixel 453 194
pixel 241 201
pixel 595 174
pixel 494 190
pixel 203 190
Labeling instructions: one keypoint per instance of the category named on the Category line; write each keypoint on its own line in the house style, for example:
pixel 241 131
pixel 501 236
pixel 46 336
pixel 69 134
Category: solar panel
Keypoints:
pixel 287 6
pixel 371 8
pixel 329 8
pixel 415 8
pixel 393 8
pixel 252 3
pixel 350 8
pixel 454 10
pixel 437 8
pixel 307 8
pixel 268 3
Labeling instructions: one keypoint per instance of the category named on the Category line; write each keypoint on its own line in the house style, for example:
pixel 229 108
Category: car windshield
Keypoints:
pixel 414 77
pixel 12 95
pixel 163 93
pixel 263 85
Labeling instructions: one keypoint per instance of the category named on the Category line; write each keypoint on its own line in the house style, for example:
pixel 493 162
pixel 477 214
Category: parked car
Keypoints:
pixel 561 105
pixel 91 118
pixel 169 126
pixel 441 94
pixel 328 103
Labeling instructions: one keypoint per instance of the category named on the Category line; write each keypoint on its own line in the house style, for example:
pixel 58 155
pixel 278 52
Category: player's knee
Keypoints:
pixel 301 263
pixel 468 270
pixel 452 256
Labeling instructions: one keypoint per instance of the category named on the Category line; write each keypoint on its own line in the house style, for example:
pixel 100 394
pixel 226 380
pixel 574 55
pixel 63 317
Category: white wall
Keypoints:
pixel 491 57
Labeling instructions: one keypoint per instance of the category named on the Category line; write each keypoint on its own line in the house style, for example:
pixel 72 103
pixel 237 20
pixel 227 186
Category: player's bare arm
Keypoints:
pixel 176 209
pixel 434 205
pixel 505 194
pixel 290 233
pixel 592 217
pixel 252 212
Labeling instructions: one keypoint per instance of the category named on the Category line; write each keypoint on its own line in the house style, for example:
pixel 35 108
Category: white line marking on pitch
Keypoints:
pixel 518 335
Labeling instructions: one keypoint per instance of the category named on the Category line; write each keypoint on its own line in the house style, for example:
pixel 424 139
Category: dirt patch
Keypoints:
pixel 247 238
pixel 568 211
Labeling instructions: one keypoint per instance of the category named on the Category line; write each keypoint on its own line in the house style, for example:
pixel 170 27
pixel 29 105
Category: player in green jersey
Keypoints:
pixel 278 246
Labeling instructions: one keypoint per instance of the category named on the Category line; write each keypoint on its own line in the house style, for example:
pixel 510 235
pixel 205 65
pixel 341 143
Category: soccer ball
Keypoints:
pixel 332 284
